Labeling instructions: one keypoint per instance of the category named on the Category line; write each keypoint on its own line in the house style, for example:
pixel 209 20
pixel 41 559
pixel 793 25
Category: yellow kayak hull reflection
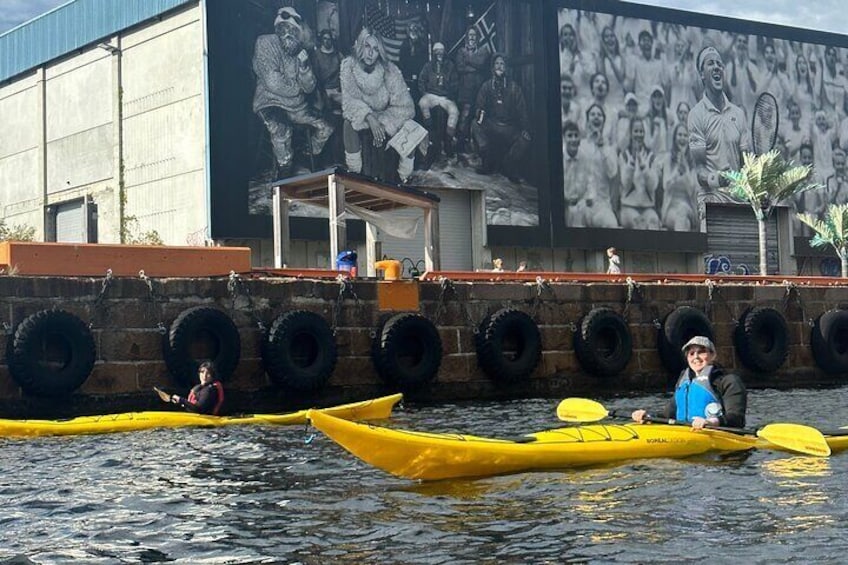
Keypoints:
pixel 373 409
pixel 434 456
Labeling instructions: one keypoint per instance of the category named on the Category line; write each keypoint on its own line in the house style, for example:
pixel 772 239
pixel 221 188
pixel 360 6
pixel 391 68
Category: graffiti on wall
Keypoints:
pixel 722 265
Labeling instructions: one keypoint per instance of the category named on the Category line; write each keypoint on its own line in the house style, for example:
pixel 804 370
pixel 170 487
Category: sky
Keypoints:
pixel 826 15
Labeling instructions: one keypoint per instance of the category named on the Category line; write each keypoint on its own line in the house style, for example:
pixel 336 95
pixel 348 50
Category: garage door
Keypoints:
pixel 733 240
pixel 454 228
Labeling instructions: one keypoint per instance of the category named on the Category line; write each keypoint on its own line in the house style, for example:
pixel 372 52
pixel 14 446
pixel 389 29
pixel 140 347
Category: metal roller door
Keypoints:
pixel 454 232
pixel 733 242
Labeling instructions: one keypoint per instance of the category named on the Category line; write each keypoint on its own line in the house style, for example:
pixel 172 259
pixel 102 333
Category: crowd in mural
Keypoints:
pixel 652 112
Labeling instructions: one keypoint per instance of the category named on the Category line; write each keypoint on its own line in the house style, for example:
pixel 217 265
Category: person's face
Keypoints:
pixel 370 53
pixel 839 160
pixel 657 100
pixel 806 156
pixel 769 55
pixel 471 39
pixel 204 375
pixel 600 86
pixel 679 49
pixel 712 72
pixel 439 54
pixel 289 35
pixel 821 122
pixel 802 66
pixel 646 44
pixel 794 113
pixel 631 107
pixel 637 132
pixel 699 357
pixel 566 87
pixel 741 45
pixel 609 39
pixel 682 112
pixel 572 142
pixel 499 68
pixel 327 41
pixel 567 36
pixel 681 138
pixel 830 56
pixel 414 32
pixel 595 117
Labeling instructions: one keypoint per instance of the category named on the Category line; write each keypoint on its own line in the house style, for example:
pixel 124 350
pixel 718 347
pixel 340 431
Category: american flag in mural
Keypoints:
pixel 393 30
pixel 485 27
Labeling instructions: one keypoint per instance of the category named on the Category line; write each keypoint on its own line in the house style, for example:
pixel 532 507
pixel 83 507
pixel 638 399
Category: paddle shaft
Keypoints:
pixel 671 422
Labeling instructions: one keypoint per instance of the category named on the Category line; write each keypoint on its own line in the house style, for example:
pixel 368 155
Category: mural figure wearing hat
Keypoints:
pixel 328 61
pixel 438 84
pixel 705 395
pixel 718 129
pixel 501 129
pixel 472 64
pixel 284 79
pixel 375 105
pixel 412 57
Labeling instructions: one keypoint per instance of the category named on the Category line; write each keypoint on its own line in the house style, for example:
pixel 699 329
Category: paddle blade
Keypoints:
pixel 581 410
pixel 163 395
pixel 795 437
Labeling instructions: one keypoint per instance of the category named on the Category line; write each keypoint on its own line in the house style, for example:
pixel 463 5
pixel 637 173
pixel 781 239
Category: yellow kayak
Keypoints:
pixel 433 456
pixel 374 409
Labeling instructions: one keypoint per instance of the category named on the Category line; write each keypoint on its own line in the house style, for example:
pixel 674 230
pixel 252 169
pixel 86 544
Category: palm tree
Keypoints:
pixel 763 181
pixel 832 230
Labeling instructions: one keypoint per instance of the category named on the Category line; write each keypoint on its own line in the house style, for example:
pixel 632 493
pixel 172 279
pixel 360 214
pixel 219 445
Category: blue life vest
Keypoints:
pixel 692 397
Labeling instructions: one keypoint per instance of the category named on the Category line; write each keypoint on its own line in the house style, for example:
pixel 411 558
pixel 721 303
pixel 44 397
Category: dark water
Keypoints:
pixel 265 495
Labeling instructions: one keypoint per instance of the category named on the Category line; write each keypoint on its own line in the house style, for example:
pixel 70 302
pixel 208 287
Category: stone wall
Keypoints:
pixel 129 316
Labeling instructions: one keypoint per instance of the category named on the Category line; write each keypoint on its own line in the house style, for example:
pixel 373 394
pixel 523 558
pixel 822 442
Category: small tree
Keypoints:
pixel 16 232
pixel 763 181
pixel 832 230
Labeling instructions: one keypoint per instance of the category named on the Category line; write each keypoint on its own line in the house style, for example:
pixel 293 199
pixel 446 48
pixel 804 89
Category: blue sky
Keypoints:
pixel 825 15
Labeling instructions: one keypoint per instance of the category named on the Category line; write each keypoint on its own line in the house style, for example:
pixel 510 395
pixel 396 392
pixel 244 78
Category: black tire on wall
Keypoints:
pixel 682 324
pixel 198 334
pixel 407 351
pixel 603 342
pixel 299 351
pixel 509 345
pixel 762 339
pixel 829 341
pixel 51 353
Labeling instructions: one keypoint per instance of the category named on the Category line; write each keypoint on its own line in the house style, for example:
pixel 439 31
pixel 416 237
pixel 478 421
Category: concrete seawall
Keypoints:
pixel 128 318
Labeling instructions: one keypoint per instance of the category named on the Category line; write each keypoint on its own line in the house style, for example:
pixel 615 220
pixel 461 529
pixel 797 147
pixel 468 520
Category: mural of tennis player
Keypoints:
pixel 718 130
pixel 375 105
pixel 501 128
pixel 284 79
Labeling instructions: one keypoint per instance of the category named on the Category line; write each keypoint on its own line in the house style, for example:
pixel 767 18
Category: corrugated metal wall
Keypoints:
pixel 70 27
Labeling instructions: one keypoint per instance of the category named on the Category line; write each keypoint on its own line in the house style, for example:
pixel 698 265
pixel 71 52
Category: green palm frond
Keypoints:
pixel 832 229
pixel 764 180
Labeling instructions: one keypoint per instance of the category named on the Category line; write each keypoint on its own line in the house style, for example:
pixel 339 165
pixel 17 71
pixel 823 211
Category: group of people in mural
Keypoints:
pixel 392 117
pixel 654 112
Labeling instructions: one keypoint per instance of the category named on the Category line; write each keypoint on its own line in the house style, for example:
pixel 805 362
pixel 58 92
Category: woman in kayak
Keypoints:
pixel 705 395
pixel 205 398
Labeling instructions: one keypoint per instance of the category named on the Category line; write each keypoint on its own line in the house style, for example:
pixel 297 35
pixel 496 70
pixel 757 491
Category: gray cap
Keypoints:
pixel 700 340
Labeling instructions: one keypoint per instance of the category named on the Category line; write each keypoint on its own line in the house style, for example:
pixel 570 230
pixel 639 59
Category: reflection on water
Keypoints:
pixel 264 495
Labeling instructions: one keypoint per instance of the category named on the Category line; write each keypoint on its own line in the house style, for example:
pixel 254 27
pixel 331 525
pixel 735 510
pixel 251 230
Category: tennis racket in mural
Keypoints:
pixel 764 122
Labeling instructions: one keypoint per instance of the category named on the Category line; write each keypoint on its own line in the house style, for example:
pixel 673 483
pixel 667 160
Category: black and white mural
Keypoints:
pixel 419 92
pixel 653 111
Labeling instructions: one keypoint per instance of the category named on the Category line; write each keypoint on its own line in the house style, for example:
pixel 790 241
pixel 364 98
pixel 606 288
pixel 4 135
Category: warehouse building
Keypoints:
pixel 146 120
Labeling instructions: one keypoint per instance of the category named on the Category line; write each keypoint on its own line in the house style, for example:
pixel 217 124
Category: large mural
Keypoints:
pixel 415 92
pixel 653 112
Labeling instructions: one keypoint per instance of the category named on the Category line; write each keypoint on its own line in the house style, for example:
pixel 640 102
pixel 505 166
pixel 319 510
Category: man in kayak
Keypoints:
pixel 205 398
pixel 705 394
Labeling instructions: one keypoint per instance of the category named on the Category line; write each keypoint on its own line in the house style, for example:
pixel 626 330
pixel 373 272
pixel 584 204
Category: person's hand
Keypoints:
pixel 639 416
pixel 526 135
pixel 377 130
pixel 698 423
pixel 175 399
